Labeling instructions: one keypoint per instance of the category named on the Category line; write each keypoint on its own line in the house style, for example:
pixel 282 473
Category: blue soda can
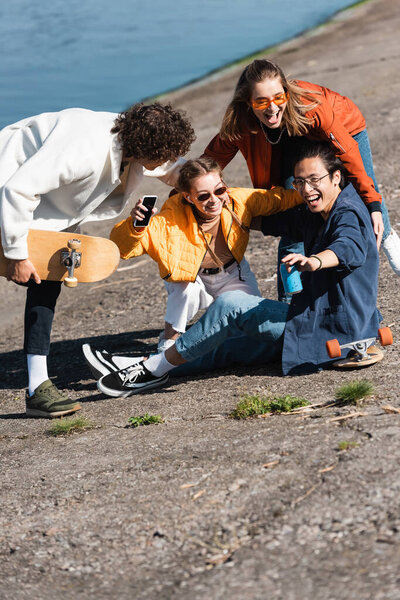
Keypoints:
pixel 291 281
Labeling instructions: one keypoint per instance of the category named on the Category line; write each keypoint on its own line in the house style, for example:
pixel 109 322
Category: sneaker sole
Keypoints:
pixel 121 394
pixel 97 368
pixel 35 412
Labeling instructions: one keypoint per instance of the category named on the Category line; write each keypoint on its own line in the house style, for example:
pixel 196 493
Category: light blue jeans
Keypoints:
pixel 287 246
pixel 236 329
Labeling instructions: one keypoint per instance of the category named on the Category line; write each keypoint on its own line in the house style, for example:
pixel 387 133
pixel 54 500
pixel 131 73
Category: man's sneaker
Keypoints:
pixel 391 247
pixel 101 362
pixel 48 401
pixel 132 380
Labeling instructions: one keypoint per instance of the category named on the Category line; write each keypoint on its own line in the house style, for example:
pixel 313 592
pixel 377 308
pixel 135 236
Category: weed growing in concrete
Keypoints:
pixel 353 392
pixel 347 445
pixel 253 405
pixel 145 419
pixel 68 426
pixel 280 404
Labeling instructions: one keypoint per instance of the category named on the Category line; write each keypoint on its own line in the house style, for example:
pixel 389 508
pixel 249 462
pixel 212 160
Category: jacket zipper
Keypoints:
pixel 332 137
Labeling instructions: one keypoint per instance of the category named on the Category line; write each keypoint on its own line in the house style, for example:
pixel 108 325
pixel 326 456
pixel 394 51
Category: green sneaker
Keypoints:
pixel 48 401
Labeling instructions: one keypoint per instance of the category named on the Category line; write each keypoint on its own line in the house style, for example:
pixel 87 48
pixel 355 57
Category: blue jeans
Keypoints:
pixel 362 140
pixel 286 245
pixel 236 329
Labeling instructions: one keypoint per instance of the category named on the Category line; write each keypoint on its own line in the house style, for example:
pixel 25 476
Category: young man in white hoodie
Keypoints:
pixel 58 170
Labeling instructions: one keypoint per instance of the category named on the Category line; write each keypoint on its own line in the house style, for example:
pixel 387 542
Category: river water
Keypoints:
pixel 105 56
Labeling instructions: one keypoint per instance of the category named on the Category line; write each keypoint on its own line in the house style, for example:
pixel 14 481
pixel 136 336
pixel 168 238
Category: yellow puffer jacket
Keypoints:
pixel 174 240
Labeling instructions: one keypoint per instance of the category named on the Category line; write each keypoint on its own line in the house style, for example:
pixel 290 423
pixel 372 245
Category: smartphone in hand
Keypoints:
pixel 149 202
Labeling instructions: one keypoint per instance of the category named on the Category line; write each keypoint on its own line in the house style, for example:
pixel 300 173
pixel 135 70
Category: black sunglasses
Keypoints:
pixel 207 195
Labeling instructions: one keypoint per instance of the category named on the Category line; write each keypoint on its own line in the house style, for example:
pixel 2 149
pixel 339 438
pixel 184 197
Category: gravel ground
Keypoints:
pixel 188 509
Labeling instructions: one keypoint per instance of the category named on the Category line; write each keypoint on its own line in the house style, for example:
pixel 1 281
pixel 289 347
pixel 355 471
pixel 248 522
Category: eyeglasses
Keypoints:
pixel 207 195
pixel 313 182
pixel 263 103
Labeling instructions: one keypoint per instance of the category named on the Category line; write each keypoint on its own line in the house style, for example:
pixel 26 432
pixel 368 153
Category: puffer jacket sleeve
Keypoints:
pixel 269 202
pixel 130 241
pixel 328 127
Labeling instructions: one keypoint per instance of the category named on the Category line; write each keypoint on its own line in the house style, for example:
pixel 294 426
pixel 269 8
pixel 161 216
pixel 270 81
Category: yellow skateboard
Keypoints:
pixel 363 354
pixel 69 257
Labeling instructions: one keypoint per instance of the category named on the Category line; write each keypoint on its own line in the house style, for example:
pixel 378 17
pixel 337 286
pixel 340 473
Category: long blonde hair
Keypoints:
pixel 239 116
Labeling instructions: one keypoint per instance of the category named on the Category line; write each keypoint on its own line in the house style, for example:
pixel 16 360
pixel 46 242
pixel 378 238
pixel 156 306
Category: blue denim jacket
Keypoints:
pixel 339 302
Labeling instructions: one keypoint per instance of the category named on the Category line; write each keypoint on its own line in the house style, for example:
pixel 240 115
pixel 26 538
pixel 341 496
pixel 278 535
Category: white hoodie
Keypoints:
pixel 58 170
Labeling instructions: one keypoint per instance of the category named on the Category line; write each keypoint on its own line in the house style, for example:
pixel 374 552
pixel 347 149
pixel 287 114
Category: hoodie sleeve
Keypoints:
pixel 49 168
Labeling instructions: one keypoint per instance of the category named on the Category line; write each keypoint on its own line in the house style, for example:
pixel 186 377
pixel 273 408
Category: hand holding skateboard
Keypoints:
pixel 21 271
pixel 62 256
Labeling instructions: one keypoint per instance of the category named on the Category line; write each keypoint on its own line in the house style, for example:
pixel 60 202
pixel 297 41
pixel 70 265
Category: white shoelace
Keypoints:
pixel 131 374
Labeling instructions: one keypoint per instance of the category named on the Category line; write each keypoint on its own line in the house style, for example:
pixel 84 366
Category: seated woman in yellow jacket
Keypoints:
pixel 199 239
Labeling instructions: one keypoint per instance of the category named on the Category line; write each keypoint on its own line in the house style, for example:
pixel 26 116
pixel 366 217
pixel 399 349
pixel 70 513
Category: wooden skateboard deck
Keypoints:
pixel 99 257
pixel 375 355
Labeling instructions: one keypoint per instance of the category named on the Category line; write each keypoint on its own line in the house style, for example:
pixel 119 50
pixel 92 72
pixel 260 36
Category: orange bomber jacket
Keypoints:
pixel 336 120
pixel 174 240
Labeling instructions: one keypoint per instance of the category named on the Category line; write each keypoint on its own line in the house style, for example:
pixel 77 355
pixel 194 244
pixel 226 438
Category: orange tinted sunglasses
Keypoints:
pixel 263 103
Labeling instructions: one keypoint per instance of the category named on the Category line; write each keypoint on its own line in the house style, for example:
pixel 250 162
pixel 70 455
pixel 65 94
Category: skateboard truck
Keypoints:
pixel 364 352
pixel 71 259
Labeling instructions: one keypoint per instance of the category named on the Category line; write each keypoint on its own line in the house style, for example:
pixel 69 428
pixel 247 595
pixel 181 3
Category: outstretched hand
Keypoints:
pixel 21 271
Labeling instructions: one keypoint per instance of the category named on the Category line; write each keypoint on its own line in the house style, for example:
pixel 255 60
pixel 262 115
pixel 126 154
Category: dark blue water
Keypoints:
pixel 107 55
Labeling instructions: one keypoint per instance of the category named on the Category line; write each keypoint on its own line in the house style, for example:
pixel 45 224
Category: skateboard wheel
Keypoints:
pixel 74 244
pixel 71 282
pixel 333 348
pixel 385 336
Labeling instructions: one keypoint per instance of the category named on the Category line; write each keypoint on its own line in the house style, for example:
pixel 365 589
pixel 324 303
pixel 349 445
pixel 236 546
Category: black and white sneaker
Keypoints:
pixel 101 362
pixel 132 380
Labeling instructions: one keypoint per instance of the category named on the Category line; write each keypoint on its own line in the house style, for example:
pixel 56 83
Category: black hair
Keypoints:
pixel 323 151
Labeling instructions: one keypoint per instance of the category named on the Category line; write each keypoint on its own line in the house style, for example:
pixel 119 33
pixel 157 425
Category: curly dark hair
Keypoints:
pixel 154 132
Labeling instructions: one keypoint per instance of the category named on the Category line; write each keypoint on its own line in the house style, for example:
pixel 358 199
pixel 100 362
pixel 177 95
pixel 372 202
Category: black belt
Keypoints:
pixel 215 270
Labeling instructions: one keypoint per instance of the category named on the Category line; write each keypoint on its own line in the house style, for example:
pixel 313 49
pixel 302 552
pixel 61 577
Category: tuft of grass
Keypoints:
pixel 250 406
pixel 253 405
pixel 66 426
pixel 145 419
pixel 280 404
pixel 353 392
pixel 347 445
